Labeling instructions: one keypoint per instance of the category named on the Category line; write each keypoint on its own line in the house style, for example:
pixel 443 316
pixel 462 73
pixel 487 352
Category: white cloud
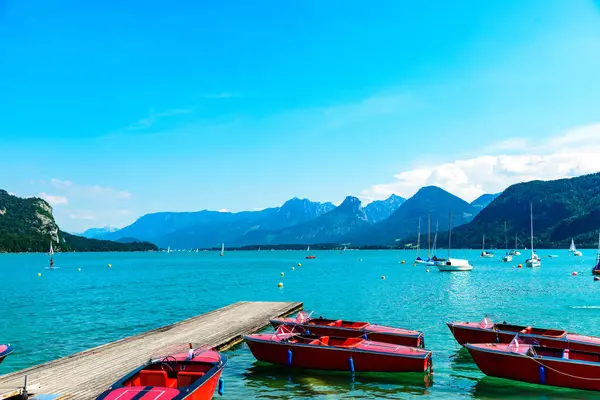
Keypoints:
pixel 223 210
pixel 574 153
pixel 54 200
pixel 82 215
pixel 90 191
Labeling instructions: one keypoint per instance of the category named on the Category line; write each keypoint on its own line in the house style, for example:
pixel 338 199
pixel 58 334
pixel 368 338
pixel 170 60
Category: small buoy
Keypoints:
pixel 402 261
pixel 427 270
pixel 39 274
pixel 109 265
pixel 293 268
pixel 280 284
pixel 383 277
pixel 299 264
pixel 79 269
pixel 520 265
pixel 282 274
pixel 574 273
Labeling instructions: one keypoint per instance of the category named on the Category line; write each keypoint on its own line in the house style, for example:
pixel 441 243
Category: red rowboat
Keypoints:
pixel 334 353
pixel 488 332
pixel 192 376
pixel 311 257
pixel 303 323
pixel 5 350
pixel 538 364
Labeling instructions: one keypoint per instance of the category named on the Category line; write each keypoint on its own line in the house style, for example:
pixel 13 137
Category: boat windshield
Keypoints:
pixel 486 323
pixel 303 317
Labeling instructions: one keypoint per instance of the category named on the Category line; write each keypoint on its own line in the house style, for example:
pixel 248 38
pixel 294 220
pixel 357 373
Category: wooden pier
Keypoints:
pixel 87 374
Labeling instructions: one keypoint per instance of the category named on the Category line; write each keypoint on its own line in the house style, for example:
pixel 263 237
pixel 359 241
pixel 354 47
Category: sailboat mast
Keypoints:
pixel 428 236
pixel 449 234
pixel 505 238
pixel 419 238
pixel 531 218
pixel 483 244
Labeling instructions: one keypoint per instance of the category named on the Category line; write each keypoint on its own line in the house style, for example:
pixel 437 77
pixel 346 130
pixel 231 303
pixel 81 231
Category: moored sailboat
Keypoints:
pixel 596 269
pixel 484 253
pixel 222 249
pixel 507 257
pixel 452 264
pixel 573 249
pixel 534 261
pixel 515 252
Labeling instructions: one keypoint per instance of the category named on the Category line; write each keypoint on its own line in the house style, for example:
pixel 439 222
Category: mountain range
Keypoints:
pixel 563 209
pixel 300 221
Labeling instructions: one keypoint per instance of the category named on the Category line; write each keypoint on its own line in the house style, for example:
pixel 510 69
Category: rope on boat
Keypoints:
pixel 560 372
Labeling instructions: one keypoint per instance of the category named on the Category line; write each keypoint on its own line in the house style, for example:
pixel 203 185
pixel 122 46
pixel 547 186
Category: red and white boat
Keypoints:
pixel 335 353
pixel 194 375
pixel 5 350
pixel 538 364
pixel 303 323
pixel 489 332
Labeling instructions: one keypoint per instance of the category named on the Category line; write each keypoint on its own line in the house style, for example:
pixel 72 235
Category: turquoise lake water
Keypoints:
pixel 65 311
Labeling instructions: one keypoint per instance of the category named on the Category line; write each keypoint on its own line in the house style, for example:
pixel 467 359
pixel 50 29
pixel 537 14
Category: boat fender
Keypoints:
pixel 289 359
pixel 422 342
pixel 542 375
pixel 430 365
pixel 497 338
pixel 351 364
pixel 308 332
pixel 365 336
pixel 221 389
pixel 566 354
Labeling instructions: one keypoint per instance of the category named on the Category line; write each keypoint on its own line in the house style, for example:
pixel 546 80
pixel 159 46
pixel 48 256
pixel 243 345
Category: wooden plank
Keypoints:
pixel 86 374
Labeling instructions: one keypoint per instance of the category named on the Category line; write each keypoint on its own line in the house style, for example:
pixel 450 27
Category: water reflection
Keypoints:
pixel 495 388
pixel 289 383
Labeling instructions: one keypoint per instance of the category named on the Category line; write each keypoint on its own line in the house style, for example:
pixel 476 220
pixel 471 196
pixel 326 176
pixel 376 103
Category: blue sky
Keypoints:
pixel 114 109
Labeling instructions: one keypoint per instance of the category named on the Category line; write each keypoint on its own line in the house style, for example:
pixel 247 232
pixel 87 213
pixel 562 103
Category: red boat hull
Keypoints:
pixel 5 350
pixel 521 367
pixel 319 330
pixel 204 392
pixel 473 334
pixel 325 358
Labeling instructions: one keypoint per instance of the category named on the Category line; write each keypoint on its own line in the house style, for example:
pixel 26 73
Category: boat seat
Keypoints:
pixel 324 340
pixel 526 330
pixel 335 323
pixel 186 378
pixel 153 378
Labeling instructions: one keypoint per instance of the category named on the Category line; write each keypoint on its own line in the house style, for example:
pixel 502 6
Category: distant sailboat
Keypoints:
pixel 435 258
pixel 453 264
pixel 485 254
pixel 51 254
pixel 418 259
pixel 507 257
pixel 534 261
pixel 515 252
pixel 168 249
pixel 596 269
pixel 574 250
pixel 222 249
pixel 308 248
